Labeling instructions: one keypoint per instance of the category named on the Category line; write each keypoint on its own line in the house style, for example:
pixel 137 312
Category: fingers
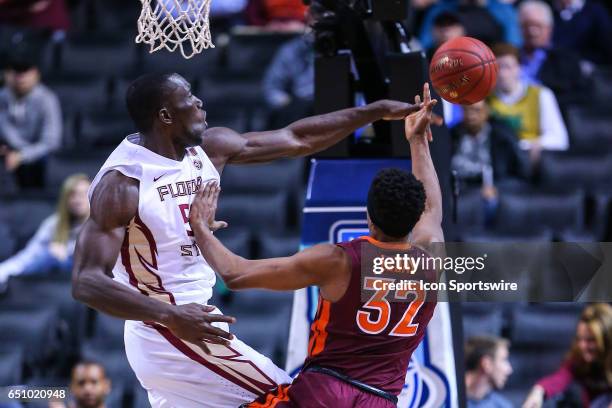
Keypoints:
pixel 426 93
pixel 204 347
pixel 216 335
pixel 221 318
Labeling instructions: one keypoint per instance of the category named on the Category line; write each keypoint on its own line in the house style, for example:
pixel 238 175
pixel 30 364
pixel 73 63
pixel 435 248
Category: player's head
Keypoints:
pixel 164 103
pixel 593 341
pixel 89 384
pixel 22 73
pixel 446 26
pixel 536 19
pixel 509 74
pixel 396 201
pixel 487 356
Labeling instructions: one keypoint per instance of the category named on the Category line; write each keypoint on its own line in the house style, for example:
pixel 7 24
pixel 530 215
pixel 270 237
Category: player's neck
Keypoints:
pixel 382 237
pixel 162 145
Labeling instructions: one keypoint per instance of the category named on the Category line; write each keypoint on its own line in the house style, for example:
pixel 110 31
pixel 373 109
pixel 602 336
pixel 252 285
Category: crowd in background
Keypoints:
pixel 550 57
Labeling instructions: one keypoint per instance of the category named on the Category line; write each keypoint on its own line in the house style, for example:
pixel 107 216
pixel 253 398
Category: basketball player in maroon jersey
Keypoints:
pixel 358 351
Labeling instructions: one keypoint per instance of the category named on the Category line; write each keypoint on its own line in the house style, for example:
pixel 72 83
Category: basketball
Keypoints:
pixel 463 71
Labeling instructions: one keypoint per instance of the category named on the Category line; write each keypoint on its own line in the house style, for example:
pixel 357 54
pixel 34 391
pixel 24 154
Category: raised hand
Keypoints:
pixel 419 124
pixel 204 206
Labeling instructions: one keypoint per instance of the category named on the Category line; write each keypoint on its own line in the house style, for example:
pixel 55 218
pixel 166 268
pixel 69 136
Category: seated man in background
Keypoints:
pixel 485 150
pixel 531 110
pixel 89 386
pixel 52 246
pixel 486 370
pixel 584 27
pixel 30 121
pixel 288 84
pixel 542 63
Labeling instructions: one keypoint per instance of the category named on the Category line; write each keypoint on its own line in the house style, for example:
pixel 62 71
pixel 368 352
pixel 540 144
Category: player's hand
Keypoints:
pixel 418 125
pixel 194 323
pixel 204 206
pixel 12 160
pixel 395 110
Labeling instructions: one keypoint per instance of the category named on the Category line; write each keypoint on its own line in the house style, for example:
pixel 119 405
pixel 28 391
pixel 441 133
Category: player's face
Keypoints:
pixel 509 73
pixel 78 203
pixel 586 342
pixel 188 117
pixel 89 386
pixel 501 368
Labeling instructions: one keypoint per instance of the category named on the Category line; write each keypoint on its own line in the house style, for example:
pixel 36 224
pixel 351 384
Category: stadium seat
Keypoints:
pixel 273 246
pixel 482 236
pixel 470 212
pixel 98 56
pixel 140 398
pixel 106 129
pixel 255 211
pixel 107 333
pixel 64 164
pixel 7 242
pixel 544 325
pixel 589 128
pixel 249 53
pixel 23 217
pixel 564 171
pixel 80 94
pixel 281 175
pixel 524 212
pixel 115 362
pixel 482 318
pixel 163 61
pixel 11 367
pixel 32 330
pixel 237 240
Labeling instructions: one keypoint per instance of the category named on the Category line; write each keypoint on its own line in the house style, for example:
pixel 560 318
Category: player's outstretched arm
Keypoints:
pixel 301 138
pixel 320 265
pixel 418 133
pixel 114 204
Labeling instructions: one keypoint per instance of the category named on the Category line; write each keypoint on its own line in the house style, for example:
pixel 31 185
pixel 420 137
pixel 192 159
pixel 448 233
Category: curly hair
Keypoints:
pixel 396 201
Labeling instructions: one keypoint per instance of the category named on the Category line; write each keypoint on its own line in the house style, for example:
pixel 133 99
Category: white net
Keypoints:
pixel 173 24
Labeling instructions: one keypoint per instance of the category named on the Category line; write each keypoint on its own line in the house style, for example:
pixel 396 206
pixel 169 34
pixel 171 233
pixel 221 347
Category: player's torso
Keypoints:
pixel 159 256
pixel 369 341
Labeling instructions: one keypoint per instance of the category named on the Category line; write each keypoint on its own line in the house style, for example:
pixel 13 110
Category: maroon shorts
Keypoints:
pixel 318 390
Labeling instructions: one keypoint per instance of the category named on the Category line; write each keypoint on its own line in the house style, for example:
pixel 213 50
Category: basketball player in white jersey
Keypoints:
pixel 136 257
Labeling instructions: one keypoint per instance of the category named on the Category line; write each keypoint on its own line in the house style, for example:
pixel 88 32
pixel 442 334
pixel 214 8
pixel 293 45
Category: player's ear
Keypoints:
pixel 164 116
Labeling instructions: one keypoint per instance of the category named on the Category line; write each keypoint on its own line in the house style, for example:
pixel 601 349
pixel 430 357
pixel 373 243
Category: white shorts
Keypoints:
pixel 177 374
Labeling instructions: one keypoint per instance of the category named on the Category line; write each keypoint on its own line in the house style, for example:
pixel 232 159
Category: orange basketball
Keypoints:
pixel 463 70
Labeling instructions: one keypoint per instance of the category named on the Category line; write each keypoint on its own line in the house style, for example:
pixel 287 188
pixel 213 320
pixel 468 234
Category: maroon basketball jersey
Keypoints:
pixel 370 341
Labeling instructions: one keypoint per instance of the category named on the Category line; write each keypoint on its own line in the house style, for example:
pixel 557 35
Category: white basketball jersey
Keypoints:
pixel 159 256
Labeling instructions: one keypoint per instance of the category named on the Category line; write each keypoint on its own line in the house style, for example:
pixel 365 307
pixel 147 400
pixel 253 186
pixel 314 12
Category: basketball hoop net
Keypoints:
pixel 175 23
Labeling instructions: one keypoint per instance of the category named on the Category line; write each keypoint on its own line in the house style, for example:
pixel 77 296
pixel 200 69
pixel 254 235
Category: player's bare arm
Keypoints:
pixel 418 134
pixel 301 138
pixel 323 265
pixel 114 204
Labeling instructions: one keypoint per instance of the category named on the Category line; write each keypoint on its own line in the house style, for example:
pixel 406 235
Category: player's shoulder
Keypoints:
pixel 218 136
pixel 114 200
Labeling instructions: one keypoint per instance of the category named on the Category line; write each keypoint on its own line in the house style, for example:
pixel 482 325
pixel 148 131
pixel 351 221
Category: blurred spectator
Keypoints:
pixel 446 26
pixel 89 386
pixel 587 369
pixel 44 14
pixel 30 121
pixel 490 21
pixel 288 83
pixel 51 248
pixel 283 15
pixel 485 152
pixel 486 370
pixel 531 110
pixel 553 67
pixel 585 27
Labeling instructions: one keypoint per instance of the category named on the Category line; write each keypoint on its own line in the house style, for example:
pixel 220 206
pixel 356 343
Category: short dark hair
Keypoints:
pixel 503 49
pixel 446 19
pixel 478 347
pixel 88 363
pixel 145 97
pixel 396 201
